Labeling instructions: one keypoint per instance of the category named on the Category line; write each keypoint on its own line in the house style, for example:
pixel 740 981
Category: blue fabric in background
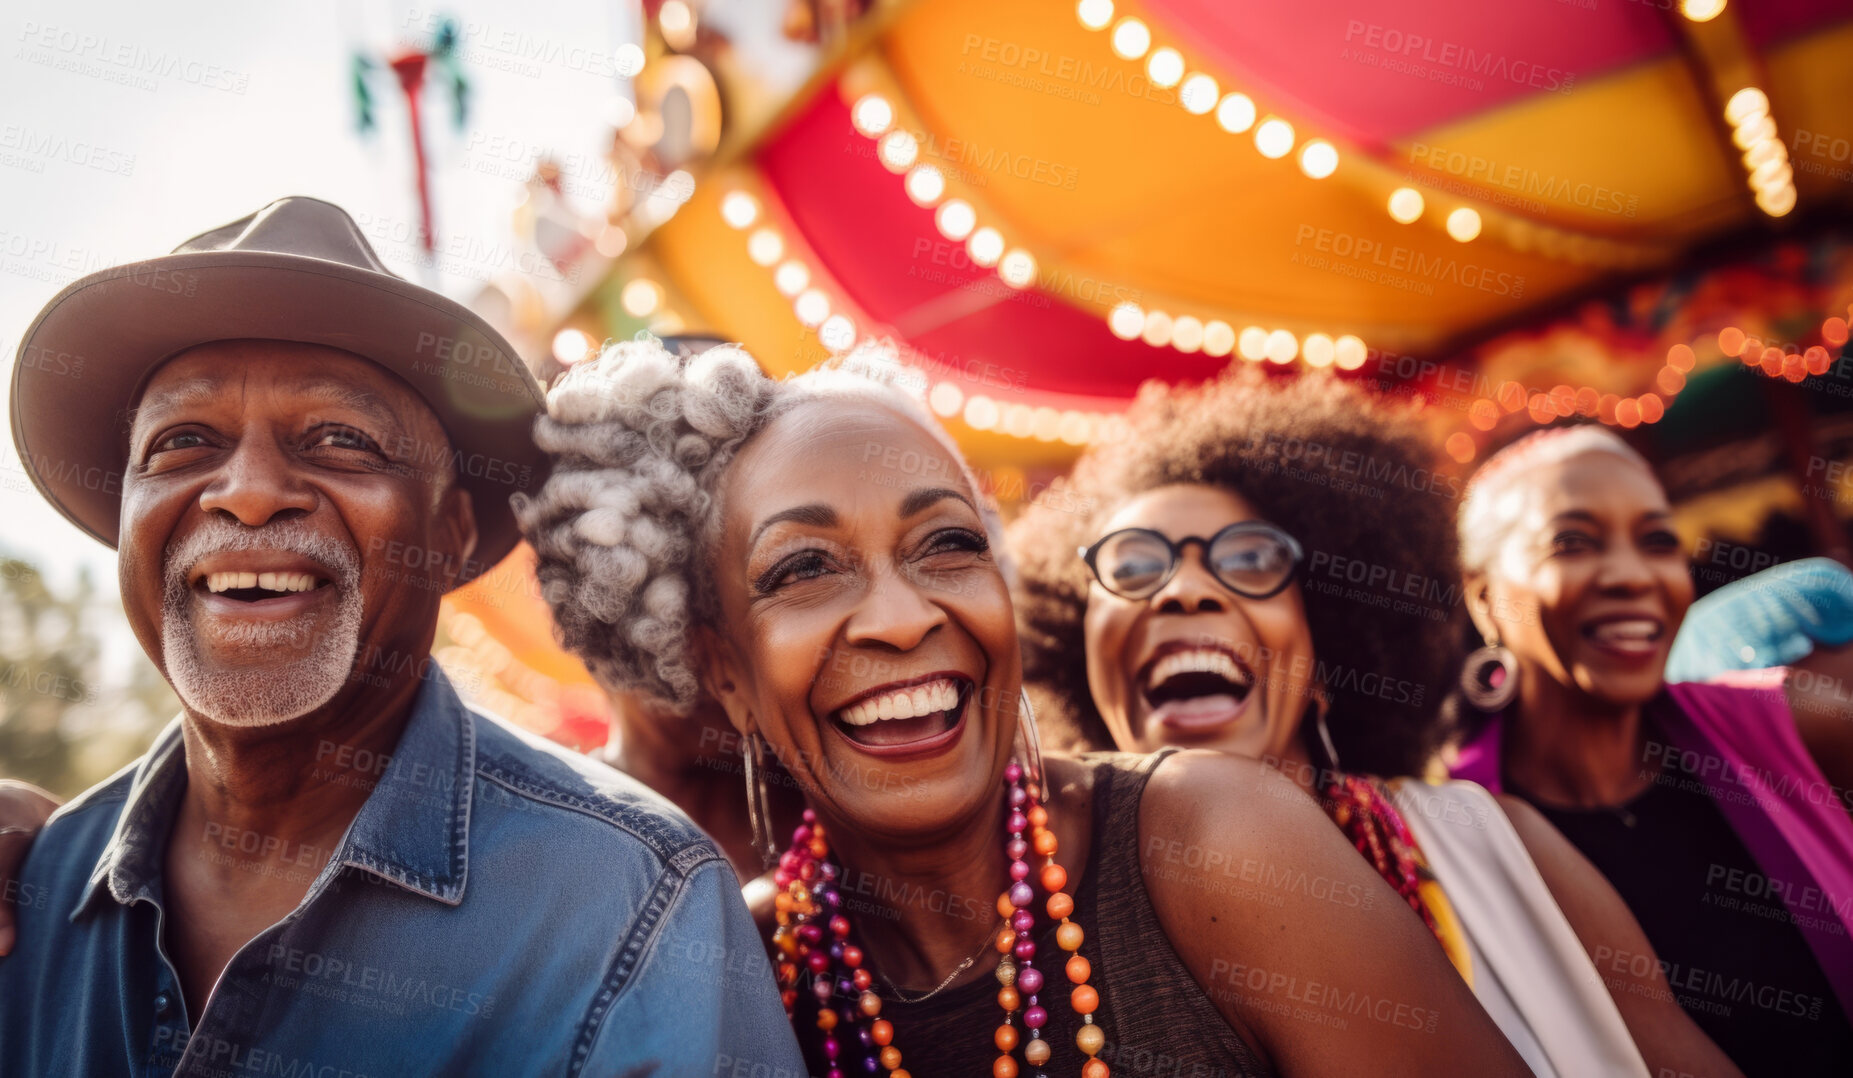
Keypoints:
pixel 1772 618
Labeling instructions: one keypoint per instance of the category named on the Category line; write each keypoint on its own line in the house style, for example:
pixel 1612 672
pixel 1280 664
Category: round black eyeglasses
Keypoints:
pixel 1252 558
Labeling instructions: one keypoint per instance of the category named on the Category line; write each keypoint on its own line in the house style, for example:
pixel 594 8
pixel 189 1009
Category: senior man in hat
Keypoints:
pixel 328 865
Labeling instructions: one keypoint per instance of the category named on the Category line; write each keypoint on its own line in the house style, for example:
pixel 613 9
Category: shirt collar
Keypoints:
pixel 412 830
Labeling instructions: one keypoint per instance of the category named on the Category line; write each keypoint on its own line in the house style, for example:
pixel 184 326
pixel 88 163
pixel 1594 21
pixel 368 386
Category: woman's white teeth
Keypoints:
pixel 1632 631
pixel 908 703
pixel 1196 661
pixel 227 581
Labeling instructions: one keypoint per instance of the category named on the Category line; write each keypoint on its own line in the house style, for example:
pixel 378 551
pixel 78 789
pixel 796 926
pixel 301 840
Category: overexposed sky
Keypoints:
pixel 126 127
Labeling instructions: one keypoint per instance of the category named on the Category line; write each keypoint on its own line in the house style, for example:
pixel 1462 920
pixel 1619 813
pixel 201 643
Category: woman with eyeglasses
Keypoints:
pixel 1264 569
pixel 1713 808
pixel 813 555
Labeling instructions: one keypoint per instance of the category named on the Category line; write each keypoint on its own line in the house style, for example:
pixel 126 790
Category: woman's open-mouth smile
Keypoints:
pixel 918 717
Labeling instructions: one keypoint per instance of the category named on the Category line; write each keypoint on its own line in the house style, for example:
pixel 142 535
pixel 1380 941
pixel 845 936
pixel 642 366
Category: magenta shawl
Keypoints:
pixel 1738 735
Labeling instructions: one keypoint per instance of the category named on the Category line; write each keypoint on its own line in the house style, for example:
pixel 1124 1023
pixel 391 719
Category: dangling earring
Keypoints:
pixel 758 805
pixel 1325 740
pixel 1489 680
pixel 1030 749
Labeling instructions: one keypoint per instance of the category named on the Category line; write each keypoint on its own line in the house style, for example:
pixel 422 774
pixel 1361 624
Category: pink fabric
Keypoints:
pixel 1737 734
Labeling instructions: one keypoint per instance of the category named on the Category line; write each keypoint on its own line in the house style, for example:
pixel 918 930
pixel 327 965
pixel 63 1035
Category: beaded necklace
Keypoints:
pixel 814 937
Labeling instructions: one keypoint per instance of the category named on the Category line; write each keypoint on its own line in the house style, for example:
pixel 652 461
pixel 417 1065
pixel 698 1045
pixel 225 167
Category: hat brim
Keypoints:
pixel 82 364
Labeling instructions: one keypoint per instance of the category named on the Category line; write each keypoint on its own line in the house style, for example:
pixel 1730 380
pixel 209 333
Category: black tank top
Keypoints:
pixel 1736 962
pixel 1157 1019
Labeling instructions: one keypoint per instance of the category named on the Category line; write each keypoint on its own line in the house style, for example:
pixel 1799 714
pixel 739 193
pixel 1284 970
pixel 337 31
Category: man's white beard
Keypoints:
pixel 268 692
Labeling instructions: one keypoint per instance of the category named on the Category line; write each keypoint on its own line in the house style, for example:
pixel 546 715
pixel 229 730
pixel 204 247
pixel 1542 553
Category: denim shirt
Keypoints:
pixel 499 906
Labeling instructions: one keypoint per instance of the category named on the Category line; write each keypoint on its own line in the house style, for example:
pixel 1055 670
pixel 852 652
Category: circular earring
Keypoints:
pixel 758 804
pixel 1489 679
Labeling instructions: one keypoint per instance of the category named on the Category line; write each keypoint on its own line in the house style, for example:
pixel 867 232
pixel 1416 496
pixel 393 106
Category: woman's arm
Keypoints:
pixel 1823 714
pixel 24 808
pixel 1668 1039
pixel 1306 950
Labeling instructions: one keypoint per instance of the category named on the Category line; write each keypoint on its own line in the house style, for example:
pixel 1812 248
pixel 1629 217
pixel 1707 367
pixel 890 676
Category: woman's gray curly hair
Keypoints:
pixel 625 525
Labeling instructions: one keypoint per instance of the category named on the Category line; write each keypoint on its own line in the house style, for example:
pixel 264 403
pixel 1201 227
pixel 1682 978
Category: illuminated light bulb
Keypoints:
pixel 1019 420
pixel 925 184
pixel 739 209
pixel 611 241
pixel 1157 329
pixel 1318 159
pixel 955 218
pixel 1653 409
pixel 1017 268
pixel 1586 399
pixel 571 345
pixel 1198 94
pixel 1405 205
pixel 1252 344
pixel 1670 381
pixel 1701 10
pixel 1744 104
pixel 1464 224
pixel 1319 350
pixel 1816 359
pixel 1046 424
pixel 627 59
pixel 1539 407
pixel 1131 39
pixel 946 399
pixel 1778 202
pixel 1074 428
pixel 985 247
pixel 1165 67
pixel 1094 14
pixel 1835 330
pixel 1350 352
pixel 1767 150
pixel 897 150
pixel 1605 408
pixel 1274 138
pixel 1758 129
pixel 791 277
pixel 765 246
pixel 1282 346
pixel 1460 446
pixel 1730 340
pixel 981 413
pixel 676 20
pixel 1681 358
pixel 1186 334
pixel 1512 396
pixel 1771 175
pixel 640 297
pixel 1483 414
pixel 872 115
pixel 1236 113
pixel 1126 321
pixel 837 333
pixel 1563 398
pixel 1771 363
pixel 1218 338
pixel 811 307
pixel 621 112
pixel 1794 368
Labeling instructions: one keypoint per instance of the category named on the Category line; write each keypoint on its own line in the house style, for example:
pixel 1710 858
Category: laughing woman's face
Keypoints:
pixel 1591 584
pixel 865 630
pixel 1196 664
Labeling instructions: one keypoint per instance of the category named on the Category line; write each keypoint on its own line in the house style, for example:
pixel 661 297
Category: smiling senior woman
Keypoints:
pixel 813 554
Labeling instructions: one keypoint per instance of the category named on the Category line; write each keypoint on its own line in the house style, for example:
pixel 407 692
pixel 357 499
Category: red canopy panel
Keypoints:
pixel 887 255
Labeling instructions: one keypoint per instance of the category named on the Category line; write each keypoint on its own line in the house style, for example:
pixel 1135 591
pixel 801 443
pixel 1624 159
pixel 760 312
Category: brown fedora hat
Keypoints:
pixel 296 270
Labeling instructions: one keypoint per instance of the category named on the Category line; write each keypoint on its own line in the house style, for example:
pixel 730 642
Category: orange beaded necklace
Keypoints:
pixel 813 937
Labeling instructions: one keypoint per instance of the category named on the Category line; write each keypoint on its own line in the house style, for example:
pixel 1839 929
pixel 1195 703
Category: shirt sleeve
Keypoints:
pixel 703 1001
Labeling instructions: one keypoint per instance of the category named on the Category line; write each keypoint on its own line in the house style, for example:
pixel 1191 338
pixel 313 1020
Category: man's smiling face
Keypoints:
pixel 272 491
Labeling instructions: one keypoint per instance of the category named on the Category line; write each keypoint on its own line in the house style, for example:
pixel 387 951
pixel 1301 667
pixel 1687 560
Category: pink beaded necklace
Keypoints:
pixel 813 936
